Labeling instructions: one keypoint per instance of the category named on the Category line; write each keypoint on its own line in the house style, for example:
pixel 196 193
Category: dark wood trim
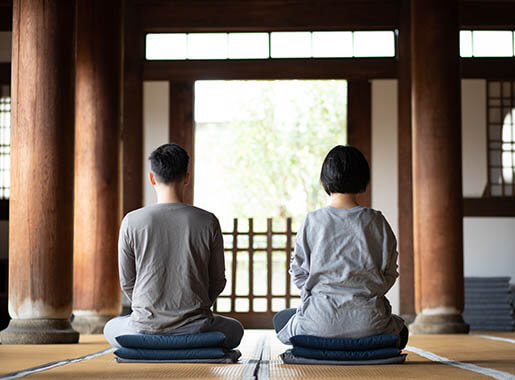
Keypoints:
pixel 487 14
pixel 359 125
pixel 266 15
pixel 182 125
pixel 6 16
pixel 489 68
pixel 254 320
pixel 132 111
pixel 489 207
pixel 5 73
pixel 344 68
pixel 405 194
pixel 4 209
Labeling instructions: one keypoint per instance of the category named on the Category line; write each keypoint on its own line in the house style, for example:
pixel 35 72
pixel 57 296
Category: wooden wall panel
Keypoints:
pixel 359 125
pixel 182 125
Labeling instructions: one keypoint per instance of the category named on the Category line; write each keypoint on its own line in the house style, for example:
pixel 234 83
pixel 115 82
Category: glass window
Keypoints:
pixel 291 44
pixel 166 46
pixel 492 43
pixel 501 138
pixel 374 44
pixel 207 46
pixel 466 43
pixel 322 44
pixel 332 44
pixel 248 45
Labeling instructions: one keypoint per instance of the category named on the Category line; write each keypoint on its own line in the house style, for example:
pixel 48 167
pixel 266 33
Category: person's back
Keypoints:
pixel 178 256
pixel 344 262
pixel 171 261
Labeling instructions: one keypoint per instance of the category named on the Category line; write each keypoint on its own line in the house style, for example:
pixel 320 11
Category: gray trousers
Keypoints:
pixel 230 327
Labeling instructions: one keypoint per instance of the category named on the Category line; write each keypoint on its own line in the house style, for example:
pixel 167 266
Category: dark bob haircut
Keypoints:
pixel 169 163
pixel 345 170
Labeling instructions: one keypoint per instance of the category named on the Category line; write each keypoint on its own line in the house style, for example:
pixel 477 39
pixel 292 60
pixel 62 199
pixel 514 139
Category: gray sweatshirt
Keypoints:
pixel 344 262
pixel 171 262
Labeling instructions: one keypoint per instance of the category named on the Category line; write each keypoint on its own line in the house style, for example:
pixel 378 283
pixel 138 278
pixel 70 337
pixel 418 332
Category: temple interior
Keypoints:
pixel 89 88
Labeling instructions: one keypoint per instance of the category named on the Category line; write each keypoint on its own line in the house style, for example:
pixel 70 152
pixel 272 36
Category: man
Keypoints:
pixel 171 260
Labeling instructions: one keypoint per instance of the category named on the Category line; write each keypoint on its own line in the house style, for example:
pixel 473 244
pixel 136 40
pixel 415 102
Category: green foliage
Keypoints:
pixel 265 161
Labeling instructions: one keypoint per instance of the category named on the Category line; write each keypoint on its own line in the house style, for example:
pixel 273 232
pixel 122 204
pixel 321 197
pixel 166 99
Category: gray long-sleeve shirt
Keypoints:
pixel 171 262
pixel 344 262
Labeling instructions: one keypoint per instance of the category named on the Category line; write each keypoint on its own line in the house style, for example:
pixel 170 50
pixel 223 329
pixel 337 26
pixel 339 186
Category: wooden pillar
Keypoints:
pixel 437 182
pixel 41 212
pixel 132 123
pixel 97 296
pixel 182 125
pixel 405 196
pixel 359 126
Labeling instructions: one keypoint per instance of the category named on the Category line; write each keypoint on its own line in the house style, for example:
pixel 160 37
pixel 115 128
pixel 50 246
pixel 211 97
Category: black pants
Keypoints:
pixel 282 318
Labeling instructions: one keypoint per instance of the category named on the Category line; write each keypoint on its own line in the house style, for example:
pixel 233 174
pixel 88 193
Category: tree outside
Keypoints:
pixel 259 146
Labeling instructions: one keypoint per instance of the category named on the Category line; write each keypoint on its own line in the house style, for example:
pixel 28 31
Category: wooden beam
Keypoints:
pixel 182 125
pixel 97 295
pixel 5 73
pixel 6 16
pixel 328 68
pixel 267 15
pixel 489 68
pixel 132 111
pixel 489 207
pixel 487 14
pixel 359 125
pixel 437 174
pixel 405 194
pixel 41 243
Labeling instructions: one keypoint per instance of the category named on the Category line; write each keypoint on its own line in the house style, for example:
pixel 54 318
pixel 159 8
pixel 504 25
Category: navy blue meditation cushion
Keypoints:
pixel 355 344
pixel 185 354
pixel 289 358
pixel 163 342
pixel 379 353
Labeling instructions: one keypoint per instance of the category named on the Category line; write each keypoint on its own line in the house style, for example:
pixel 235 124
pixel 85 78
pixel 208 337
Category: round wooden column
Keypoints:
pixel 41 204
pixel 437 182
pixel 97 296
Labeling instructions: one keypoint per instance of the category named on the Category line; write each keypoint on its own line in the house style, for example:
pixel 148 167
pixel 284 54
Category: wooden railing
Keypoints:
pixel 258 282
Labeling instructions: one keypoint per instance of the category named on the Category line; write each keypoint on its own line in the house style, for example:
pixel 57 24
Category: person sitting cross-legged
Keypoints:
pixel 171 261
pixel 344 262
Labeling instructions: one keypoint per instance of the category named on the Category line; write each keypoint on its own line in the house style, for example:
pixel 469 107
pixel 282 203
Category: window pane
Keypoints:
pixel 332 44
pixel 291 44
pixel 374 44
pixel 207 46
pixel 466 43
pixel 165 46
pixel 248 45
pixel 492 43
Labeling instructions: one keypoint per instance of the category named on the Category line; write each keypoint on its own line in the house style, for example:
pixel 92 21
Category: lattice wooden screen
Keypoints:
pixel 501 138
pixel 258 282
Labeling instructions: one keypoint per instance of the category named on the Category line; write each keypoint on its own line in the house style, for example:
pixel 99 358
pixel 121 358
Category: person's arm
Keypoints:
pixel 217 279
pixel 126 261
pixel 391 254
pixel 299 264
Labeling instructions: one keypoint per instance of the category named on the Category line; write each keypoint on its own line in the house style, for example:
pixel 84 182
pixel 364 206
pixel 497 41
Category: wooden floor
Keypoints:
pixel 479 355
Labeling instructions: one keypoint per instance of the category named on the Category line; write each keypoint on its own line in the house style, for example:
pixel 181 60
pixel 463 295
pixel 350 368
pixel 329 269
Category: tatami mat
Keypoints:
pixel 416 367
pixel 482 352
pixel 17 357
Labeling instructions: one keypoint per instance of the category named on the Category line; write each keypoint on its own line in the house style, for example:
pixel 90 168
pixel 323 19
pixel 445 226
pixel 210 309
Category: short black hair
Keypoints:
pixel 169 163
pixel 345 170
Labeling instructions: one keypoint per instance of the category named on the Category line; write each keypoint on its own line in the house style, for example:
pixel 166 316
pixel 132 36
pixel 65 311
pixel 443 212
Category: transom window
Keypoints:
pixel 324 44
pixel 487 43
pixel 501 138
